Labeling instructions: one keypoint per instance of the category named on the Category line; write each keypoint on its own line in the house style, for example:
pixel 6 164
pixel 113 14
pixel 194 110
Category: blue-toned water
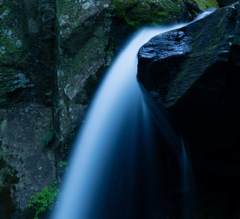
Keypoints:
pixel 112 171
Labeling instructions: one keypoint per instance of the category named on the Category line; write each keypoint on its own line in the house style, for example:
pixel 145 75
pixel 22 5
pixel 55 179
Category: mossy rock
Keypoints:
pixel 204 4
pixel 48 138
pixel 8 177
pixel 137 13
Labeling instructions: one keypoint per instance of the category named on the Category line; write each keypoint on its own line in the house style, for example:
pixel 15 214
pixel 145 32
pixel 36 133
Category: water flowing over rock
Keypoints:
pixel 53 55
pixel 89 35
pixel 194 73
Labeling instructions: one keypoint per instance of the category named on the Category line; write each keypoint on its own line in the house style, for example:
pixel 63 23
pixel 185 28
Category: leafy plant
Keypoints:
pixel 63 163
pixel 45 199
pixel 106 64
pixel 66 147
pixel 47 138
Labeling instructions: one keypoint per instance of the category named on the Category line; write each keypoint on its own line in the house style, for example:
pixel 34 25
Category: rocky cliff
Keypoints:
pixel 27 39
pixel 89 35
pixel 194 72
pixel 53 55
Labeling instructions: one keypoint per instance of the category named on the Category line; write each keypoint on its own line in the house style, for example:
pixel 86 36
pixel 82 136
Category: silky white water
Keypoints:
pixel 115 107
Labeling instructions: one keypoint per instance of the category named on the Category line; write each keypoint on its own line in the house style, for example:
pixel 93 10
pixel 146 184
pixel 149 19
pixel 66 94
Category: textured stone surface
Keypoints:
pixel 82 37
pixel 22 130
pixel 27 43
pixel 138 12
pixel 27 36
pixel 193 72
pixel 88 36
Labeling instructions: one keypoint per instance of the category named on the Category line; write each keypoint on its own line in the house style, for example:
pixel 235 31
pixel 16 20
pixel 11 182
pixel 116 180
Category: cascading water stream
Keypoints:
pixel 105 150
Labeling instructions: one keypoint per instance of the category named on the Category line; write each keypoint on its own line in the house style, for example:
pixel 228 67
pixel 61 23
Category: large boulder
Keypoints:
pixel 89 35
pixel 50 74
pixel 193 72
pixel 226 2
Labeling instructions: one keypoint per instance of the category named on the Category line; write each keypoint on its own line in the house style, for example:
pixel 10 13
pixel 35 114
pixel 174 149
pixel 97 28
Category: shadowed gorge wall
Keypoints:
pixel 27 42
pixel 193 73
pixel 53 56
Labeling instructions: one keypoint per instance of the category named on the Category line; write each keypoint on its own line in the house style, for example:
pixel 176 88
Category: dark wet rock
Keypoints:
pixel 27 42
pixel 226 2
pixel 27 46
pixel 89 35
pixel 194 72
pixel 27 164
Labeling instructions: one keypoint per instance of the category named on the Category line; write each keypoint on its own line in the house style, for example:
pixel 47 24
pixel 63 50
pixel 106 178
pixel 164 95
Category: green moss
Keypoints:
pixel 65 6
pixel 137 13
pixel 163 13
pixel 236 41
pixel 12 46
pixel 93 50
pixel 68 10
pixel 204 4
pixel 121 7
pixel 47 139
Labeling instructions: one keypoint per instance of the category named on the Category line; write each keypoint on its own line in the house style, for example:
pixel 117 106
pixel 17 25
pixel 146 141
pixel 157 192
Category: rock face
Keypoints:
pixel 136 12
pixel 53 55
pixel 226 2
pixel 26 54
pixel 194 73
pixel 83 37
pixel 27 41
pixel 27 164
pixel 89 34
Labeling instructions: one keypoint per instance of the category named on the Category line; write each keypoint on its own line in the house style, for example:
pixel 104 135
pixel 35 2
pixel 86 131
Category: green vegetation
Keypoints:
pixel 47 138
pixel 106 64
pixel 45 199
pixel 63 163
pixel 205 4
pixel 138 12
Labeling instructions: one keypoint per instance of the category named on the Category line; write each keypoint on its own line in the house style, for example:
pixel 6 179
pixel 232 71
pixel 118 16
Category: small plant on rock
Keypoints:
pixel 45 199
pixel 48 138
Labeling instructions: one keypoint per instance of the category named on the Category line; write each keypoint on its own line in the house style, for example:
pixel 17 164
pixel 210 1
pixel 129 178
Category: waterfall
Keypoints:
pixel 187 179
pixel 101 181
